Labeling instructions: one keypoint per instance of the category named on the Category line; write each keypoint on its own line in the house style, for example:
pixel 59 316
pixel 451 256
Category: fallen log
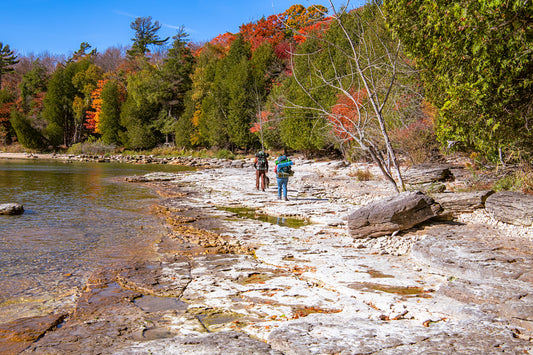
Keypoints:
pixel 392 214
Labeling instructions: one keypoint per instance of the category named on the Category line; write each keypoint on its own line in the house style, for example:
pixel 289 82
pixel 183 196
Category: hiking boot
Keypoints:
pixel 285 198
pixel 279 197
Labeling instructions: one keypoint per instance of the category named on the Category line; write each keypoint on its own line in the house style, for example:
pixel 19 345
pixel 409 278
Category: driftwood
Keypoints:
pixel 460 202
pixel 511 207
pixel 393 214
pixel 427 173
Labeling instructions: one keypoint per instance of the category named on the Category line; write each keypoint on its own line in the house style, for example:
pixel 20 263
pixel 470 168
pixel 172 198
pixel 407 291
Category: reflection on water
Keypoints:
pixel 78 217
pixel 251 213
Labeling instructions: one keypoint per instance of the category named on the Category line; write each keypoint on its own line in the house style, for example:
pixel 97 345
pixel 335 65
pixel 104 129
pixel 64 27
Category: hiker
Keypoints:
pixel 261 168
pixel 283 171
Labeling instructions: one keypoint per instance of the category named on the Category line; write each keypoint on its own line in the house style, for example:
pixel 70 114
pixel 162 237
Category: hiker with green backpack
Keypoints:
pixel 283 171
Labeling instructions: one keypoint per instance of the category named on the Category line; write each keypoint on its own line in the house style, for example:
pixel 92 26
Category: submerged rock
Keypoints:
pixel 11 209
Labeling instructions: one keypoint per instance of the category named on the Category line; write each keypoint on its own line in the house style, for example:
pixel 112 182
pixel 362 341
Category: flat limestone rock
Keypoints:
pixel 389 215
pixel 511 207
pixel 11 209
pixel 462 201
pixel 17 335
pixel 483 268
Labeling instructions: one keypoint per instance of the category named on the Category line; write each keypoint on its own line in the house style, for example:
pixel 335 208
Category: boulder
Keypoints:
pixel 460 202
pixel 511 207
pixel 427 173
pixel 393 214
pixel 11 209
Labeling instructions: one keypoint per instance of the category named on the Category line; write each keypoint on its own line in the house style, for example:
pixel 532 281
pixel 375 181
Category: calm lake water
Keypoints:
pixel 78 217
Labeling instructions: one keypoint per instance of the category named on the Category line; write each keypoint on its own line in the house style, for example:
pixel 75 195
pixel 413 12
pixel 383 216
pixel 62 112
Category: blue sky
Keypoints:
pixel 60 26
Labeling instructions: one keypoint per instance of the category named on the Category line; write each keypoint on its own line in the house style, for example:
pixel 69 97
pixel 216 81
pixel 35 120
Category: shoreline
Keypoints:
pixel 269 288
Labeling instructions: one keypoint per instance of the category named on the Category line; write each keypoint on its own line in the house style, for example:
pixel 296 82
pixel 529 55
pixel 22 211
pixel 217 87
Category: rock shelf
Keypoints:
pixel 248 286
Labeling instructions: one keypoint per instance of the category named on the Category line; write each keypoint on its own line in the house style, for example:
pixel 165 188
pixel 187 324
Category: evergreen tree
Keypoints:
pixel 303 127
pixel 476 60
pixel 233 95
pixel 109 124
pixel 59 103
pixel 140 111
pixel 7 60
pixel 145 35
pixel 33 83
pixel 27 135
pixel 176 82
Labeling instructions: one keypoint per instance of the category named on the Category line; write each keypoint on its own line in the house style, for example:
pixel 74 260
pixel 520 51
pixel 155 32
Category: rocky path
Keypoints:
pixel 227 284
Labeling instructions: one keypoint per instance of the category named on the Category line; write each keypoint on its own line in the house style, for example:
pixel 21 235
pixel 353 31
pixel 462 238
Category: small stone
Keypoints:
pixel 11 209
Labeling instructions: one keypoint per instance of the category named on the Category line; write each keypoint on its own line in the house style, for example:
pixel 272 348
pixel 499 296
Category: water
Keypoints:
pixel 78 217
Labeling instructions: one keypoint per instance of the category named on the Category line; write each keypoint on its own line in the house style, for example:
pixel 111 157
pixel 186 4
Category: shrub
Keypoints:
pixel 361 175
pixel 225 154
pixel 417 140
pixel 520 180
pixel 94 148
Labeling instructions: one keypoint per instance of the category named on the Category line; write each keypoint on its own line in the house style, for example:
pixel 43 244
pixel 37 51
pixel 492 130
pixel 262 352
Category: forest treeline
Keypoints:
pixel 403 76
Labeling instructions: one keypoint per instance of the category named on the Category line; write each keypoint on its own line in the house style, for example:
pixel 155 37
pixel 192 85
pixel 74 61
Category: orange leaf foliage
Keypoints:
pixel 93 116
pixel 269 29
pixel 263 117
pixel 224 40
pixel 316 29
pixel 297 17
pixel 346 112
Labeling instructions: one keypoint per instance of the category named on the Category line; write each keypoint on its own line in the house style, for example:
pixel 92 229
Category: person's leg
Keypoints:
pixel 284 185
pixel 257 174
pixel 279 187
pixel 263 178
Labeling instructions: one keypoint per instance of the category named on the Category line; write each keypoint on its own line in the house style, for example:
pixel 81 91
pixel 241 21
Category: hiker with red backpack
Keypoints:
pixel 283 171
pixel 261 168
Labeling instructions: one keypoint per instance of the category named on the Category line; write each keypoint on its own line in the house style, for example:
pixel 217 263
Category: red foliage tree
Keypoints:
pixel 5 110
pixel 346 113
pixel 269 29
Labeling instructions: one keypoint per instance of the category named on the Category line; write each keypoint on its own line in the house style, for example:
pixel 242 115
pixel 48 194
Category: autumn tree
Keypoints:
pixel 85 82
pixel 7 103
pixel 145 35
pixel 358 65
pixel 476 59
pixel 270 29
pixel 297 16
